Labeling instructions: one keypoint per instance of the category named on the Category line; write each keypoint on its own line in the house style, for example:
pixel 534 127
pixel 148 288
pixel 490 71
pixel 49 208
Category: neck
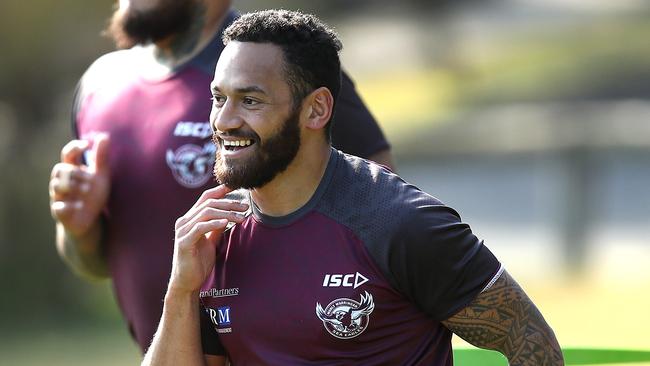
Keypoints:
pixel 178 48
pixel 293 188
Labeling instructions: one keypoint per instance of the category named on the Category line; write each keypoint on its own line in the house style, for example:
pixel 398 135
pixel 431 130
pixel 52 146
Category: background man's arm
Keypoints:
pixel 504 319
pixel 85 255
pixel 78 194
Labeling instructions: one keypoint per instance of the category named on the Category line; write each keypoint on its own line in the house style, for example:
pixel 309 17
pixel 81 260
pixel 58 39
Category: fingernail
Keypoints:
pixel 78 204
pixel 85 187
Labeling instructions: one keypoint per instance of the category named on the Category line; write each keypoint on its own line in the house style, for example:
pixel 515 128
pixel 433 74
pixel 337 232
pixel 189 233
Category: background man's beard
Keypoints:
pixel 135 26
pixel 271 158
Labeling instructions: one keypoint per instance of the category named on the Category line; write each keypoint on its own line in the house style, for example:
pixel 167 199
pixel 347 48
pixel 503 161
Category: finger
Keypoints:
pixel 59 190
pixel 213 193
pixel 209 214
pixel 222 204
pixel 69 178
pixel 217 192
pixel 63 181
pixel 77 172
pixel 101 145
pixel 201 229
pixel 62 210
pixel 72 151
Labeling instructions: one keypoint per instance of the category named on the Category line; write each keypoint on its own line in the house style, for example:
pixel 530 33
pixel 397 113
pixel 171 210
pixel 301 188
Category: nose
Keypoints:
pixel 225 118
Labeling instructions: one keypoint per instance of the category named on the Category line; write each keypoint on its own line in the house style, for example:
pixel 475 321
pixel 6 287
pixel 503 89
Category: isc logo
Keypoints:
pixel 194 129
pixel 344 280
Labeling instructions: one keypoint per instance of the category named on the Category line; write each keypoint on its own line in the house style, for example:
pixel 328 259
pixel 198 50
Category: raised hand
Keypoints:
pixel 79 192
pixel 198 233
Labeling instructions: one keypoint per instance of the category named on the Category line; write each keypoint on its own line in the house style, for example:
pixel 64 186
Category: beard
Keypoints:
pixel 149 23
pixel 270 158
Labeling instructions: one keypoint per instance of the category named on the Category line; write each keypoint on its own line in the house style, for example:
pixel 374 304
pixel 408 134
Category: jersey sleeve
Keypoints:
pixel 354 130
pixel 209 337
pixel 438 262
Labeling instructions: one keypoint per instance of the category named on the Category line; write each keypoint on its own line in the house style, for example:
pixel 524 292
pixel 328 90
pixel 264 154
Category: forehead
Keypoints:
pixel 246 64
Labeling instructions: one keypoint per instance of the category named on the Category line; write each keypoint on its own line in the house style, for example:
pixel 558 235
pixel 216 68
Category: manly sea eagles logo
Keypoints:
pixel 192 164
pixel 346 318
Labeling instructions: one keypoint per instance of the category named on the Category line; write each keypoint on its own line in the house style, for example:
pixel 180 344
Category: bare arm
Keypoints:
pixel 178 339
pixel 198 232
pixel 504 319
pixel 85 255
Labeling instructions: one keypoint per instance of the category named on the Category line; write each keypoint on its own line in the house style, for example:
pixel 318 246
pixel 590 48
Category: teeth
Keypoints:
pixel 237 143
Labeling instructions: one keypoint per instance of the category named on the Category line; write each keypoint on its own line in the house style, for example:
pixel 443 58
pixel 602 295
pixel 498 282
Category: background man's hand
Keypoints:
pixel 198 233
pixel 78 193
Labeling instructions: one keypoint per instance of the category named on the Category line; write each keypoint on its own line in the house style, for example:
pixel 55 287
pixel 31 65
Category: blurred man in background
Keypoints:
pixel 143 151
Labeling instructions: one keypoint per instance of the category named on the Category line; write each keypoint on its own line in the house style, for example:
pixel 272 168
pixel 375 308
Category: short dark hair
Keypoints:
pixel 310 48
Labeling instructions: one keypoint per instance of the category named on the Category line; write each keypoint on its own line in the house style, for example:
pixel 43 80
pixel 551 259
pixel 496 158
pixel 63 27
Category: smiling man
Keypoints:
pixel 333 259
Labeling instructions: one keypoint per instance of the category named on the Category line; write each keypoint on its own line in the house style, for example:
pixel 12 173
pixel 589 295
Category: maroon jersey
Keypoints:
pixel 161 159
pixel 364 273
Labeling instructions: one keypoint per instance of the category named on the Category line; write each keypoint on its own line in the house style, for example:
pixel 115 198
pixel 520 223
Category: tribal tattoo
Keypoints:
pixel 504 319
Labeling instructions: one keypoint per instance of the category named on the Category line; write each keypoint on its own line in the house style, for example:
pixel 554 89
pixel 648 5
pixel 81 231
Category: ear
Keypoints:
pixel 318 108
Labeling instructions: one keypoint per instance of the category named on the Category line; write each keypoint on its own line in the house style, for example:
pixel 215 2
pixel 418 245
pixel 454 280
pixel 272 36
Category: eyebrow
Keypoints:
pixel 243 90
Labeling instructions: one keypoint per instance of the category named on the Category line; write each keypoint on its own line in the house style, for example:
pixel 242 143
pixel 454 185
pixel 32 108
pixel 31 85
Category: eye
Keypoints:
pixel 218 100
pixel 248 101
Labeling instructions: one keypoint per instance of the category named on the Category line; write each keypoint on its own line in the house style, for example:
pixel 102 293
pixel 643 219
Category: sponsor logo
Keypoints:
pixel 220 317
pixel 224 292
pixel 193 129
pixel 344 280
pixel 346 318
pixel 191 165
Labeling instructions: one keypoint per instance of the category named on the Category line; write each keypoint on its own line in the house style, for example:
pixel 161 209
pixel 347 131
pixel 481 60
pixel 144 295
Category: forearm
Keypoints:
pixel 504 319
pixel 84 254
pixel 178 338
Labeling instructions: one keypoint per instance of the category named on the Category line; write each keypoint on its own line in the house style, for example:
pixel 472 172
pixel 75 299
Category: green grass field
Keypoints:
pixel 572 356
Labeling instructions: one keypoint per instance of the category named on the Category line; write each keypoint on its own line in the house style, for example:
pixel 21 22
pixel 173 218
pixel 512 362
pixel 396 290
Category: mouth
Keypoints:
pixel 236 145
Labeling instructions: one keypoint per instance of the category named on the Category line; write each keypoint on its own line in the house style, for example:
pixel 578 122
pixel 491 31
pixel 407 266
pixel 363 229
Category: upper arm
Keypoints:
pixel 436 260
pixel 503 318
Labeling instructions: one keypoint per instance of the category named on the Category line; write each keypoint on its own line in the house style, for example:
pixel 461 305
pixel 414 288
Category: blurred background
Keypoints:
pixel 531 118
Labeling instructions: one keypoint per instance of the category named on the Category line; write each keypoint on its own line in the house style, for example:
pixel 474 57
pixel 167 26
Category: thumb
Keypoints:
pixel 72 151
pixel 101 144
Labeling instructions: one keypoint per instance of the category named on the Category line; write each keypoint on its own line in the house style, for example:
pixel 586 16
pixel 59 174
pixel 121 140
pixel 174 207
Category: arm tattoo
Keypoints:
pixel 504 319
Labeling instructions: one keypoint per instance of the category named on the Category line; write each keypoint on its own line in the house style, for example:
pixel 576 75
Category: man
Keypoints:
pixel 334 259
pixel 152 103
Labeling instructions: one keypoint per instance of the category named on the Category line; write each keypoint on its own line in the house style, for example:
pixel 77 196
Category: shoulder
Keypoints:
pixel 111 69
pixel 372 200
pixel 113 62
